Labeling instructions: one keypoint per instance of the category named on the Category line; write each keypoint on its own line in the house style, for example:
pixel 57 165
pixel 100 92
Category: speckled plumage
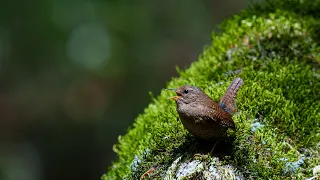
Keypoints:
pixel 203 117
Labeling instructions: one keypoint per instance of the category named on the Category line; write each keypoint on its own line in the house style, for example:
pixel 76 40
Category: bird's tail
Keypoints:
pixel 227 101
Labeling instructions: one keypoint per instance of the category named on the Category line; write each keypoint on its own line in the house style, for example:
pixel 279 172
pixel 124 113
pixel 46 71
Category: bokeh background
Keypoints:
pixel 75 73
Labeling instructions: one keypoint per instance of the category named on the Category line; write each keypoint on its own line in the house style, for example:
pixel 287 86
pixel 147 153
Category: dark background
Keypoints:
pixel 75 74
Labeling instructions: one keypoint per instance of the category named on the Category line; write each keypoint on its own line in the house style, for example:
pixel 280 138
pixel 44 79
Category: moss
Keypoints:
pixel 274 48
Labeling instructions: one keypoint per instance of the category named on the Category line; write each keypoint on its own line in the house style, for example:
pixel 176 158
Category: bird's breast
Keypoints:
pixel 193 119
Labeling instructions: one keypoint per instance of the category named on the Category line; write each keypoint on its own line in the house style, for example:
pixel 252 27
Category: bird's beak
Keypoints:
pixel 173 97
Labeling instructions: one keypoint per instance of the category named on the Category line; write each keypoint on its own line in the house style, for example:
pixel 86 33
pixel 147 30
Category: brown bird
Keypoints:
pixel 203 117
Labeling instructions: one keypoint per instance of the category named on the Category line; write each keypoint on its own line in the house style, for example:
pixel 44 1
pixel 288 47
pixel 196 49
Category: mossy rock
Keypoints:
pixel 274 48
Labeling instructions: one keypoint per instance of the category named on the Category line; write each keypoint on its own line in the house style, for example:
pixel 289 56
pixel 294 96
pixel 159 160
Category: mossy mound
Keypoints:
pixel 275 49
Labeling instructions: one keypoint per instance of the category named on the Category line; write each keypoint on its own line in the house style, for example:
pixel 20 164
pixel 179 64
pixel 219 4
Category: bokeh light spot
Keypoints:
pixel 89 46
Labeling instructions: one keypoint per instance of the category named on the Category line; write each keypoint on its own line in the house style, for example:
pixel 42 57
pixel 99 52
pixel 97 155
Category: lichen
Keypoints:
pixel 274 48
pixel 316 171
pixel 187 170
pixel 256 126
pixel 205 168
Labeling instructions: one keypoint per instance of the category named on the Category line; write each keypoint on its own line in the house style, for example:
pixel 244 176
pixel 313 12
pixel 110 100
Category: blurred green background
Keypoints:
pixel 75 74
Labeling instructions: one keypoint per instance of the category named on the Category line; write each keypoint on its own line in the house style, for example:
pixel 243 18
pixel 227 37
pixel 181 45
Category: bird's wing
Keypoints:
pixel 219 115
pixel 227 101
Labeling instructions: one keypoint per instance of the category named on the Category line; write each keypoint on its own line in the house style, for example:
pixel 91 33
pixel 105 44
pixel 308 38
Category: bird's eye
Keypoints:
pixel 186 91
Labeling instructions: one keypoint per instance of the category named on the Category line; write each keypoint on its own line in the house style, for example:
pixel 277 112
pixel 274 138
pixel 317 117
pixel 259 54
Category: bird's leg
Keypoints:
pixel 214 146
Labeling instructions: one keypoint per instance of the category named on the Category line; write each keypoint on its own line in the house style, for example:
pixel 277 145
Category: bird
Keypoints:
pixel 203 117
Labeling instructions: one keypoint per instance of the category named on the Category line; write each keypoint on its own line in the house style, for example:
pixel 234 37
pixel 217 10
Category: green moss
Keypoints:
pixel 275 49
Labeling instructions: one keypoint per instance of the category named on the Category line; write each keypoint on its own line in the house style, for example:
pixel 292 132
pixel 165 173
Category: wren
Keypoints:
pixel 203 117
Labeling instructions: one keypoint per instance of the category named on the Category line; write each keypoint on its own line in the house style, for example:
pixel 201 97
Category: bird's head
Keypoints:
pixel 187 94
